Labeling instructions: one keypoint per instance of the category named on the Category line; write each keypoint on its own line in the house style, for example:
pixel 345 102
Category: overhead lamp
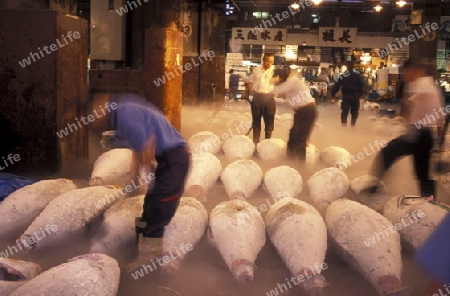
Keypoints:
pixel 378 8
pixel 304 43
pixel 401 3
pixel 317 2
pixel 295 6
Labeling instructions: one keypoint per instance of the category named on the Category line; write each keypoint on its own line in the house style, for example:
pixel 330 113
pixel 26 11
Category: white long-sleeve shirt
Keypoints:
pixel 261 79
pixel 426 102
pixel 296 90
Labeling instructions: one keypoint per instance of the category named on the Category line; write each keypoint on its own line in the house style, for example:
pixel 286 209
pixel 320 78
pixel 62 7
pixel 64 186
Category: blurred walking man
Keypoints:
pixel 352 88
pixel 233 84
pixel 263 105
pixel 425 98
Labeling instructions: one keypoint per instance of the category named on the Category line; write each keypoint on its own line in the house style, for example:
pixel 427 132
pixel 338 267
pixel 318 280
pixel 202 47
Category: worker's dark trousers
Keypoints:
pixel 160 204
pixel 263 105
pixel 304 119
pixel 350 103
pixel 420 148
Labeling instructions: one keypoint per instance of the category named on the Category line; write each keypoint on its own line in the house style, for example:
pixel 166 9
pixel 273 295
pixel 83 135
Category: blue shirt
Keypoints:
pixel 434 255
pixel 136 120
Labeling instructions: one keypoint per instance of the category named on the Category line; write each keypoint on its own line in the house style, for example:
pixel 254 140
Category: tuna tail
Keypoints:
pixel 172 266
pixel 242 270
pixel 315 285
pixel 405 291
pixel 389 285
pixel 312 282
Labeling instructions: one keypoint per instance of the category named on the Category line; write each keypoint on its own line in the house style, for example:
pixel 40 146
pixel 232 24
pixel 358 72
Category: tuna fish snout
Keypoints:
pixel 195 190
pixel 242 270
pixel 95 181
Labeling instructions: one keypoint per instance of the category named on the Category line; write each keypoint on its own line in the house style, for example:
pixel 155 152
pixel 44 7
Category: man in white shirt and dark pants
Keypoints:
pixel 299 98
pixel 424 100
pixel 263 103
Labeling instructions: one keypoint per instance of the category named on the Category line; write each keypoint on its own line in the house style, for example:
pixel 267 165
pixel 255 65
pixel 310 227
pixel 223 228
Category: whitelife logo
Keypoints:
pixel 33 55
pixel 11 159
pixel 165 260
pixel 411 38
pixel 307 274
pixel 29 241
pixel 412 217
pixel 109 198
pixel 90 118
pixel 186 67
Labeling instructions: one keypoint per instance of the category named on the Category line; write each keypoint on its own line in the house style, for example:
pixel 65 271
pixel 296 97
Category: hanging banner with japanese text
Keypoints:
pixel 337 37
pixel 257 35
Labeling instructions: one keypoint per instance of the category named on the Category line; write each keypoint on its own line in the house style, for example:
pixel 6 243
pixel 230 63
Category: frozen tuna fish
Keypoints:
pixel 67 214
pixel 414 218
pixel 89 274
pixel 299 235
pixel 203 173
pixel 113 168
pixel 362 187
pixel 21 207
pixel 184 231
pixel 237 230
pixel 326 186
pixel 398 120
pixel 15 273
pixel 271 149
pixel 241 178
pixel 238 147
pixel 205 141
pixel 117 230
pixel 283 181
pixel 352 228
pixel 334 156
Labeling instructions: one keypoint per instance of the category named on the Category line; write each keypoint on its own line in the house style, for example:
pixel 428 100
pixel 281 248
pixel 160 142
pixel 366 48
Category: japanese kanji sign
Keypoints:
pixel 268 36
pixel 337 37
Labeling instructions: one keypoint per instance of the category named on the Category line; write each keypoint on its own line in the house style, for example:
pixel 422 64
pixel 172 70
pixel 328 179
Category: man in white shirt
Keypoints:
pixel 299 98
pixel 425 105
pixel 263 105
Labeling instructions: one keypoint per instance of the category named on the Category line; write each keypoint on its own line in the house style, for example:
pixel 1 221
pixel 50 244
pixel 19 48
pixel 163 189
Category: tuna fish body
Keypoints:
pixel 271 149
pixel 15 273
pixel 184 231
pixel 67 214
pixel 238 147
pixel 241 178
pixel 237 230
pixel 21 207
pixel 203 174
pixel 361 188
pixel 299 234
pixel 89 274
pixel 415 219
pixel 326 186
pixel 365 240
pixel 283 181
pixel 117 230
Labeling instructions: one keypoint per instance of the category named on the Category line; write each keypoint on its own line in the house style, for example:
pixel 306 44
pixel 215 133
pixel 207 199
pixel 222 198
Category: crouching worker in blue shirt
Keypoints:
pixel 151 137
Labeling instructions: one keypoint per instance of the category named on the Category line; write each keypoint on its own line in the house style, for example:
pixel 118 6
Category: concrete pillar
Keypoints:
pixel 162 76
pixel 424 46
pixel 43 78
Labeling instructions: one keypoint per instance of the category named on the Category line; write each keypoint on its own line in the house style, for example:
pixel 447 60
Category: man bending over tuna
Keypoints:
pixel 151 137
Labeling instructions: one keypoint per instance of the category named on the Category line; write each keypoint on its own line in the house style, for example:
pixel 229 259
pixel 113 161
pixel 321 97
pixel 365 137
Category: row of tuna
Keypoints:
pixel 238 147
pixel 237 229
